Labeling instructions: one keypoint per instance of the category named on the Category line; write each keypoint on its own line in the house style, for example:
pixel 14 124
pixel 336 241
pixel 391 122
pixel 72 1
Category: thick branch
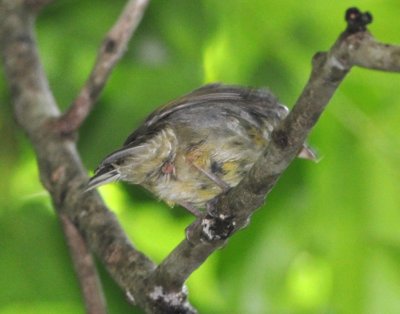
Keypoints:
pixel 159 290
pixel 61 169
pixel 36 5
pixel 111 50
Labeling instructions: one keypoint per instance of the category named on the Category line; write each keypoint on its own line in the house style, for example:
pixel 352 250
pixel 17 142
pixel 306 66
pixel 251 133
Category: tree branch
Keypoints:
pixel 111 50
pixel 85 268
pixel 231 211
pixel 60 167
pixel 159 289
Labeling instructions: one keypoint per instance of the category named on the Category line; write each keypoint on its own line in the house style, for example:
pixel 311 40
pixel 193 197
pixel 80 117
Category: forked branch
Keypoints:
pixel 232 211
pixel 111 50
pixel 159 289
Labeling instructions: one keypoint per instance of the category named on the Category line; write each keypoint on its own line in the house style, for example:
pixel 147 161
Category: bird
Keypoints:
pixel 198 146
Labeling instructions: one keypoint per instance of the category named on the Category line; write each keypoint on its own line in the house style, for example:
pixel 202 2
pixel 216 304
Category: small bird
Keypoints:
pixel 198 146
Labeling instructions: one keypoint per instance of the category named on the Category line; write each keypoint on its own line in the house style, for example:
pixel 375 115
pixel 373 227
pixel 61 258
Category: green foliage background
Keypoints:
pixel 328 239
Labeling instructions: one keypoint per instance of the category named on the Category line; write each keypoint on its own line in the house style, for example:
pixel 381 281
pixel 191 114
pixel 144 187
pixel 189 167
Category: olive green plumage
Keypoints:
pixel 193 148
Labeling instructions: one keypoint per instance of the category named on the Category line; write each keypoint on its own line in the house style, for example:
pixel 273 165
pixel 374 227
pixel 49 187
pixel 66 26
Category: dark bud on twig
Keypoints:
pixel 357 21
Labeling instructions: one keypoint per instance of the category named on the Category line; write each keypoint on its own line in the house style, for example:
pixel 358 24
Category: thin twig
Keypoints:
pixel 85 268
pixel 33 106
pixel 61 170
pixel 111 50
pixel 62 173
pixel 60 167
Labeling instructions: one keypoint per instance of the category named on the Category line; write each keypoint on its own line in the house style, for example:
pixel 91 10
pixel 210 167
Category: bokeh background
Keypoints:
pixel 328 238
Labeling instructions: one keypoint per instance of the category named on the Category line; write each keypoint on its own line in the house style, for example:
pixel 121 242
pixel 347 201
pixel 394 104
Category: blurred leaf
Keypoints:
pixel 327 241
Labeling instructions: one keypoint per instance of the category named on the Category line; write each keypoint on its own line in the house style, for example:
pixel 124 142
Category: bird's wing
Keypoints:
pixel 208 95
